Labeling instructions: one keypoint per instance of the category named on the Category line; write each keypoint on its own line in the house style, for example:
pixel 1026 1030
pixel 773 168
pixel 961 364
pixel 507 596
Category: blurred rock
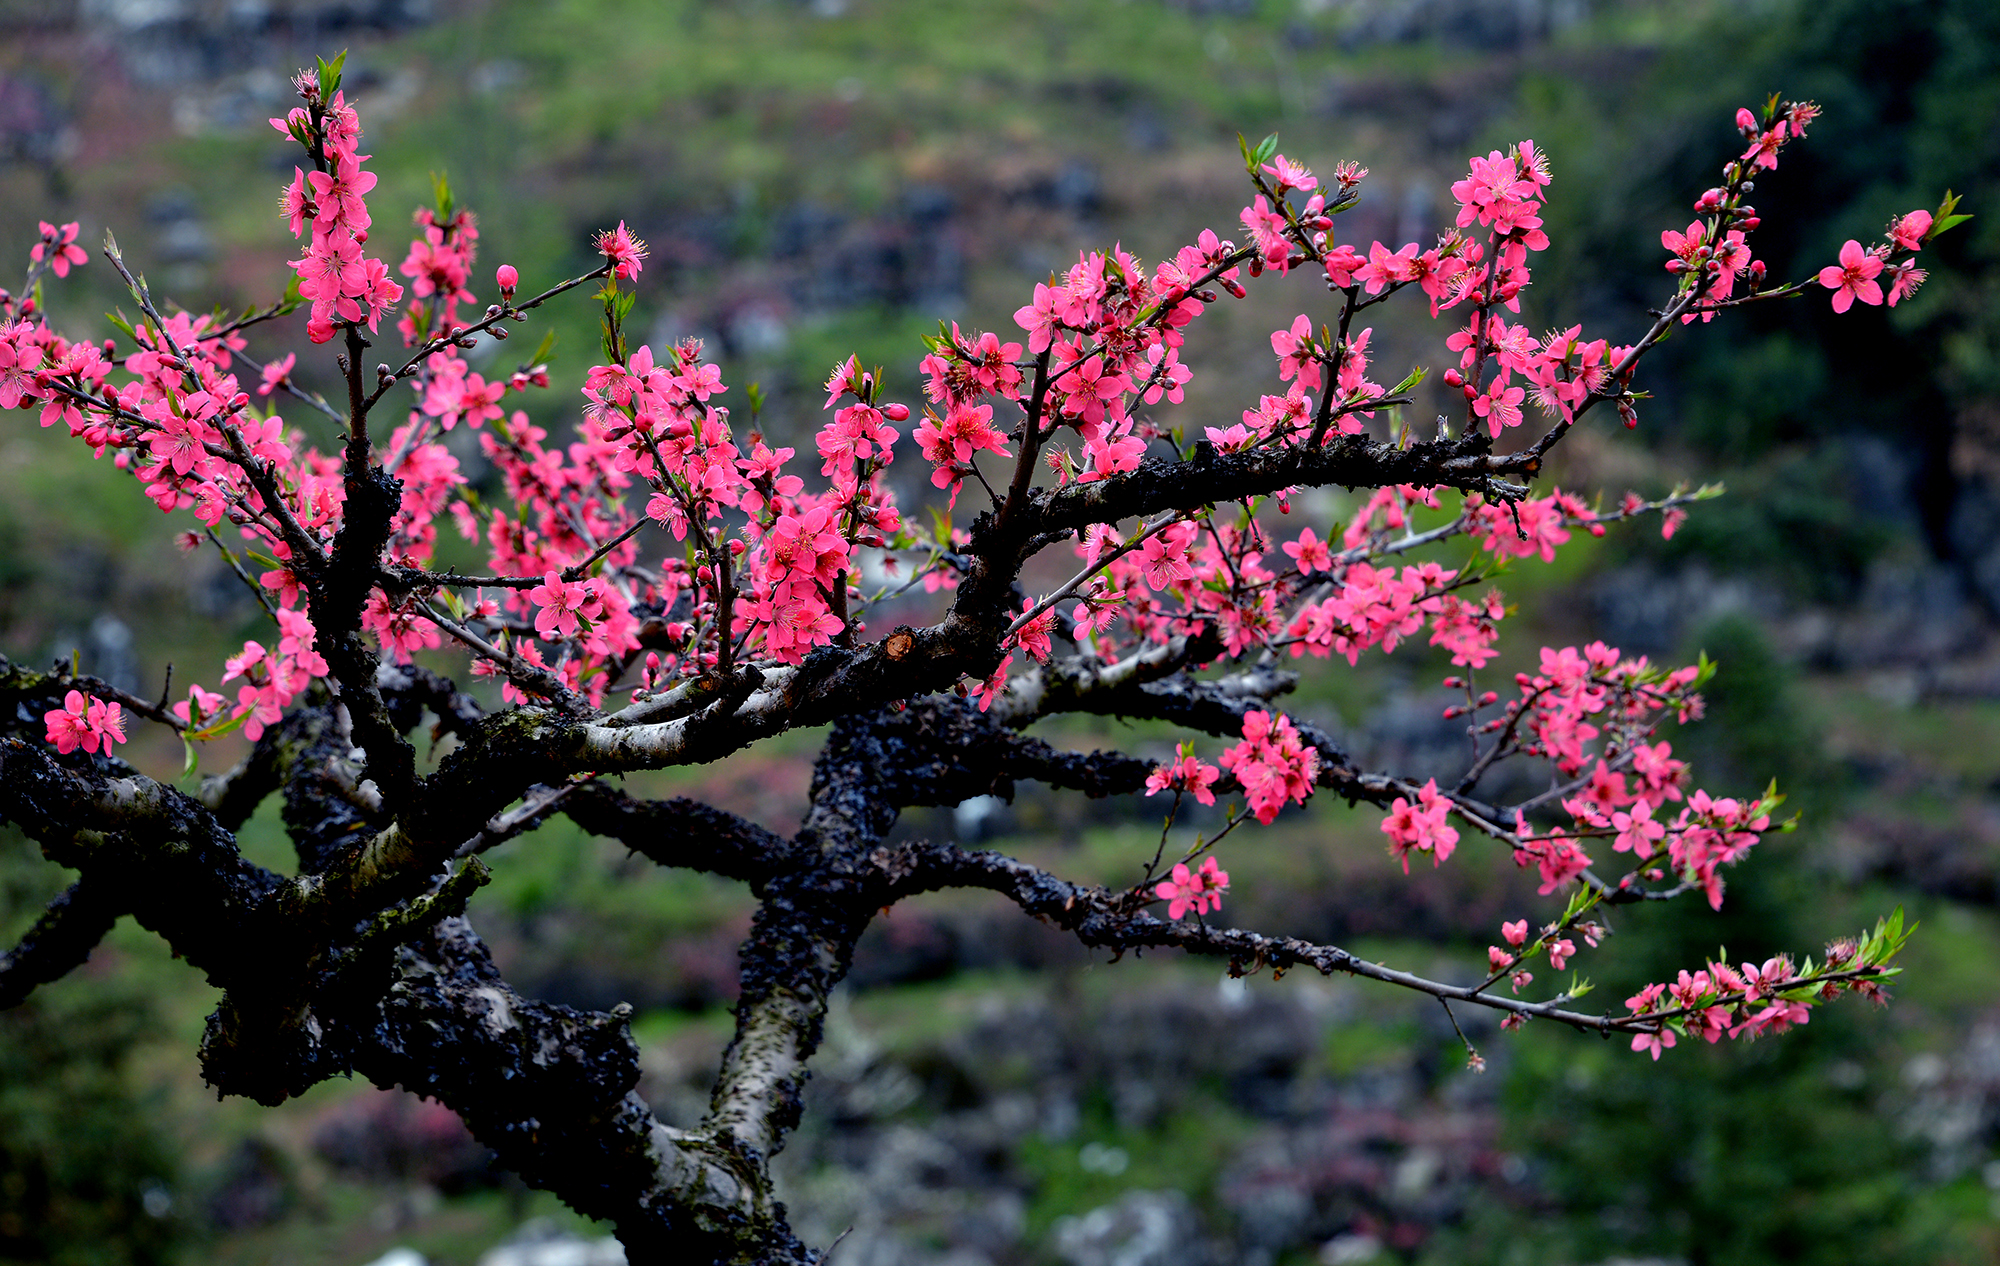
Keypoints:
pixel 541 1243
pixel 1145 1228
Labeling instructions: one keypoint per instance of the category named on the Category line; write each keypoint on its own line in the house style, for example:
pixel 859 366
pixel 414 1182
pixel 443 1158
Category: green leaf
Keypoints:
pixel 1948 222
pixel 329 75
pixel 220 728
pixel 1416 376
pixel 1944 212
pixel 191 760
pixel 118 320
pixel 1265 149
pixel 543 351
pixel 441 191
pixel 1705 669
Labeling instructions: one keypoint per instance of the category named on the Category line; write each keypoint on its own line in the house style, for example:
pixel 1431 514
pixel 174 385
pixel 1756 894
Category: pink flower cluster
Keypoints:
pixel 1855 277
pixel 1420 823
pixel 1751 1000
pixel 84 721
pixel 334 274
pixel 1275 765
pixel 1197 890
pixel 766 558
pixel 273 678
pixel 1185 773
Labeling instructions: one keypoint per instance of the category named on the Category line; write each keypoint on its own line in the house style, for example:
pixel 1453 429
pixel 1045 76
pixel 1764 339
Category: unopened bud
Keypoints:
pixel 1452 378
pixel 508 279
pixel 896 412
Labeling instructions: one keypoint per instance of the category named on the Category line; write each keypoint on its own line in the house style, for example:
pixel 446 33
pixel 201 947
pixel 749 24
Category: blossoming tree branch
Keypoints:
pixel 663 588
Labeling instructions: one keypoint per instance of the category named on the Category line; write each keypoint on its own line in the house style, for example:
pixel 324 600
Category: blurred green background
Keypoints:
pixel 825 177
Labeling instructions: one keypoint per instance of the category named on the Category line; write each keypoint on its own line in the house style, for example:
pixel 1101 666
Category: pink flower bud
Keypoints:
pixel 507 277
pixel 896 412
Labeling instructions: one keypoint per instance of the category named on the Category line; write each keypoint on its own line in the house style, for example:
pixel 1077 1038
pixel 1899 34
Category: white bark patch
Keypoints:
pixel 499 1015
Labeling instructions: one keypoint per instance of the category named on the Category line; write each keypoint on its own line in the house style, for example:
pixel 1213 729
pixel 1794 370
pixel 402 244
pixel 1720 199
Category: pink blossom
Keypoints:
pixel 1199 891
pixel 1034 636
pixel 1294 348
pixel 1853 278
pixel 1287 174
pixel 563 604
pixel 1654 1041
pixel 1904 278
pixel 623 250
pixel 276 373
pixel 1420 824
pixel 1909 231
pixel 63 253
pixel 1273 763
pixel 1185 772
pixel 1310 553
pixel 1267 229
pixel 69 726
